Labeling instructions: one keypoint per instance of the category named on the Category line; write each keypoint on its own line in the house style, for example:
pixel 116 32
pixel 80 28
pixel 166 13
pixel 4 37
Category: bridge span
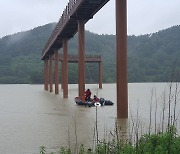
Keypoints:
pixel 72 20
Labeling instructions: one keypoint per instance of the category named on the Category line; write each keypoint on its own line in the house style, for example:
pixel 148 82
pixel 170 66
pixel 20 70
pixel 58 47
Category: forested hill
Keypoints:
pixel 150 57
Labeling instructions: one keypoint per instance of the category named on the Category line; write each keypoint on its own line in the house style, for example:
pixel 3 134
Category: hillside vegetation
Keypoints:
pixel 151 57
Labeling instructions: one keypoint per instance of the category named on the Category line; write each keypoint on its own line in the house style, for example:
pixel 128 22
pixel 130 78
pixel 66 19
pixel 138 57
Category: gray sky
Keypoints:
pixel 144 16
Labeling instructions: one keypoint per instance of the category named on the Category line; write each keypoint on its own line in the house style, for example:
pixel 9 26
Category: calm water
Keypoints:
pixel 31 117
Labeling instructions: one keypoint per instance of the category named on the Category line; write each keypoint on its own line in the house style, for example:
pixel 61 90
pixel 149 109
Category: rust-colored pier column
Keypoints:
pixel 121 49
pixel 56 58
pixel 100 75
pixel 81 58
pixel 50 73
pixel 62 74
pixel 65 68
pixel 46 74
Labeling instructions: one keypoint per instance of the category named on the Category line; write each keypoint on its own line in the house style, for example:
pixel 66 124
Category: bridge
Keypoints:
pixel 48 81
pixel 73 19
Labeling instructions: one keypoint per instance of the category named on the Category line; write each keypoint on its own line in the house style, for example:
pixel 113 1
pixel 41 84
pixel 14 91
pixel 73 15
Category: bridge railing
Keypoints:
pixel 65 16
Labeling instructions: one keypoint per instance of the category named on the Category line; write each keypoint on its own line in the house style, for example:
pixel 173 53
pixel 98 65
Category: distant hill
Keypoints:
pixel 151 57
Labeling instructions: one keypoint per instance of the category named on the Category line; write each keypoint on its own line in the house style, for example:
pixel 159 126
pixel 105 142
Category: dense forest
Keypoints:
pixel 151 57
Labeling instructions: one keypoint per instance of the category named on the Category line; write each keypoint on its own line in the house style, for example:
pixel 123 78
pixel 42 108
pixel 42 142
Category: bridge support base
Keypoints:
pixel 62 75
pixel 50 74
pixel 100 75
pixel 81 58
pixel 65 68
pixel 56 57
pixel 46 75
pixel 121 49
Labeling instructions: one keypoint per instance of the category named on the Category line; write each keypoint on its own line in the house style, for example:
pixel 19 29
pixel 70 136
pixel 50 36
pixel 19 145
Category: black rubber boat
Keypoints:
pixel 90 103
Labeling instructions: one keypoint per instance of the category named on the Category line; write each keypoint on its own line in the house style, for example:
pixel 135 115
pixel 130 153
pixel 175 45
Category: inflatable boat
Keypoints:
pixel 90 103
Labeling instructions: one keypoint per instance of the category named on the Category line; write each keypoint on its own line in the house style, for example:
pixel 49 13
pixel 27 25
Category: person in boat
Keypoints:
pixel 95 99
pixel 87 95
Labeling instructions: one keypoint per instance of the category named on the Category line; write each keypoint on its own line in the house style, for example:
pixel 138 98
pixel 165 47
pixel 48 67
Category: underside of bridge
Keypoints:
pixel 73 20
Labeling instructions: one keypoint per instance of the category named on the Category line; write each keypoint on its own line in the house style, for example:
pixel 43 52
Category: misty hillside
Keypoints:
pixel 150 57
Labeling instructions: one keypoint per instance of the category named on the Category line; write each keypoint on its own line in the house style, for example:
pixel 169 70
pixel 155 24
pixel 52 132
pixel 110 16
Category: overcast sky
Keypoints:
pixel 144 16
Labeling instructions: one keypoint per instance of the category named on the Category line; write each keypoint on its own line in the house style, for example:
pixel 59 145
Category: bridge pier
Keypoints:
pixel 62 75
pixel 56 57
pixel 46 74
pixel 65 68
pixel 81 58
pixel 100 75
pixel 50 74
pixel 121 50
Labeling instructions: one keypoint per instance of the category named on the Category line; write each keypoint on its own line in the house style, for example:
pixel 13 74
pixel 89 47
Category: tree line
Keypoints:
pixel 151 57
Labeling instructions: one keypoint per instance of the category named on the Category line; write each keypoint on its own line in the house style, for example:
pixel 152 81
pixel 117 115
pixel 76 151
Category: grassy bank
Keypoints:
pixel 160 143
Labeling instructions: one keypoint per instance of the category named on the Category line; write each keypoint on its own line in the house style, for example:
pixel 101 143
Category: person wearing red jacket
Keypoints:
pixel 87 95
pixel 96 99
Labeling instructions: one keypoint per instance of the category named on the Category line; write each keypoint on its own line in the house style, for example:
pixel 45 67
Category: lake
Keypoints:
pixel 31 117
